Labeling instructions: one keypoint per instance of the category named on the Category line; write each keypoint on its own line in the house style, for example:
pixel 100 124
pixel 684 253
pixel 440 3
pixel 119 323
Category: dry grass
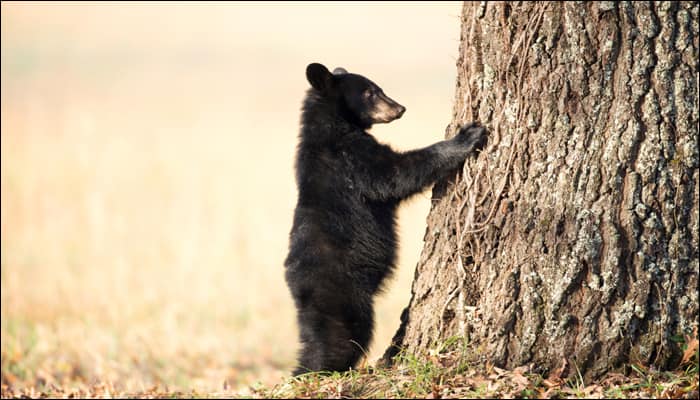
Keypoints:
pixel 453 370
pixel 147 183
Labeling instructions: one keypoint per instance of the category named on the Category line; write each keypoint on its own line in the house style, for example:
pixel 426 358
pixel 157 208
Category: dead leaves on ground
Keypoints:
pixel 99 391
pixel 443 375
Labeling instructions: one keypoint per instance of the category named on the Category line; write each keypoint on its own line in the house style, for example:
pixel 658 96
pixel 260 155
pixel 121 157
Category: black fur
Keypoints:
pixel 343 239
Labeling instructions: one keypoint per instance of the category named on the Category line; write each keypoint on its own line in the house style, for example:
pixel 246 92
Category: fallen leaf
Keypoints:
pixel 614 378
pixel 521 380
pixel 522 369
pixel 593 389
pixel 552 384
pixel 436 392
pixel 692 348
pixel 555 376
pixel 550 392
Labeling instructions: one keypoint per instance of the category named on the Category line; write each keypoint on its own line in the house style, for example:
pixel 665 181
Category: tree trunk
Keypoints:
pixel 574 234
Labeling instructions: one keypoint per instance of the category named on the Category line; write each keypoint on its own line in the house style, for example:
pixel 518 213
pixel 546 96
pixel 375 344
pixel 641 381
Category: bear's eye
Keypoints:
pixel 368 94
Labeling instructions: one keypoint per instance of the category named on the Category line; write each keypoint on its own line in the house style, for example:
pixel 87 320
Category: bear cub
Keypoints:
pixel 343 238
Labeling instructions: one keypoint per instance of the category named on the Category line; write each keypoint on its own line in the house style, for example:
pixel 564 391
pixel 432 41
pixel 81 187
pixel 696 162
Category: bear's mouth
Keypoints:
pixel 383 119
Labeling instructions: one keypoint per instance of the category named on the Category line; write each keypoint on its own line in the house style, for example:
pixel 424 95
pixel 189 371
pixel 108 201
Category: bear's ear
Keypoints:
pixel 339 71
pixel 319 77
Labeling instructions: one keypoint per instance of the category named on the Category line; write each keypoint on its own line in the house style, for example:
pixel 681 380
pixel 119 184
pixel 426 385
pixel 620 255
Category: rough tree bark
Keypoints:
pixel 574 234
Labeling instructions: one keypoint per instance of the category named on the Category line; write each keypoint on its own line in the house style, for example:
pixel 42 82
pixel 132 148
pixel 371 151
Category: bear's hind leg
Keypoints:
pixel 333 338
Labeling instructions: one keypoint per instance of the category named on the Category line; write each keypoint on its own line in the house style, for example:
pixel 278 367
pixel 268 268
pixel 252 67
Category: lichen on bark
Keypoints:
pixel 574 234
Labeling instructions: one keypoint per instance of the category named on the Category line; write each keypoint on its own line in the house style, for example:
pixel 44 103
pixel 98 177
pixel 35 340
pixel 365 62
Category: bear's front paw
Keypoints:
pixel 472 136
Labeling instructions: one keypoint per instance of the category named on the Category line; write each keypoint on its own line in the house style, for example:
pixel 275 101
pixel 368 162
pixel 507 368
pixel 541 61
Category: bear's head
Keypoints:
pixel 359 100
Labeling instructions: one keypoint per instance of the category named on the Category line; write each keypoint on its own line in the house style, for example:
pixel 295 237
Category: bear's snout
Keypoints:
pixel 387 110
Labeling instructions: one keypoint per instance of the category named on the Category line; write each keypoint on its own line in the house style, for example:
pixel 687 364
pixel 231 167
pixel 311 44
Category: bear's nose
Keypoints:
pixel 400 111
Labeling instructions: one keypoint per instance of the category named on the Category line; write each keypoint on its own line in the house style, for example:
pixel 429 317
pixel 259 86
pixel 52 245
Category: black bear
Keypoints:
pixel 343 239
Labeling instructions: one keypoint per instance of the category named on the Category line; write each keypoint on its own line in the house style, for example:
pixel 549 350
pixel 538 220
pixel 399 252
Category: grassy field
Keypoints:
pixel 147 181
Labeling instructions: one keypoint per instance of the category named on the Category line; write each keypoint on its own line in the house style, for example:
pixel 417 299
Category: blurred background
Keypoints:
pixel 148 183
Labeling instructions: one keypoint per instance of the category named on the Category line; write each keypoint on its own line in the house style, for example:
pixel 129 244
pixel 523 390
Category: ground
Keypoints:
pixel 450 371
